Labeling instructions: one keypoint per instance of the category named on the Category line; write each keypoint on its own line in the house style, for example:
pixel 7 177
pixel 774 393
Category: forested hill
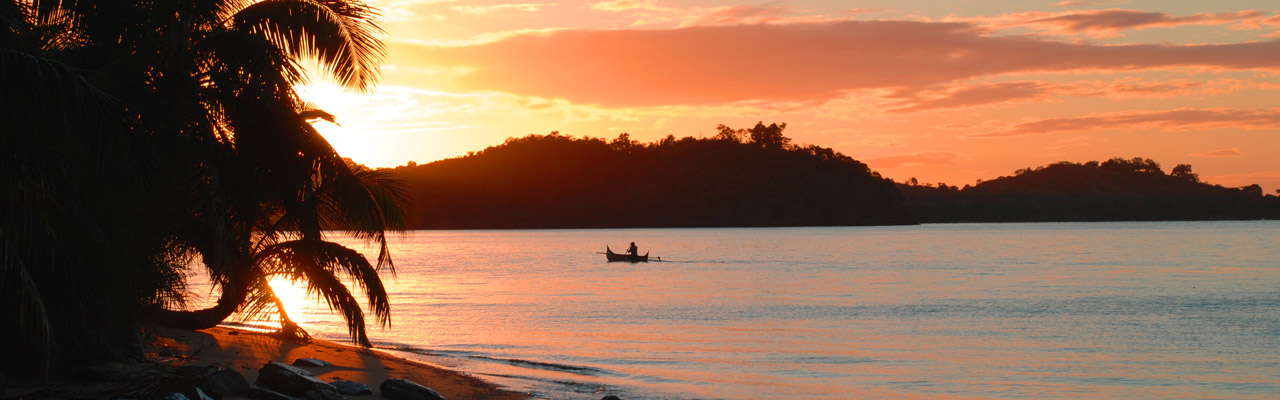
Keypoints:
pixel 1115 190
pixel 735 179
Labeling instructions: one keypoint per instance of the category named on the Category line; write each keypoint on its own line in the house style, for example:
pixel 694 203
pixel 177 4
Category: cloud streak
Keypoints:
pixel 482 10
pixel 1019 92
pixel 1232 152
pixel 1114 20
pixel 1182 119
pixel 915 159
pixel 724 64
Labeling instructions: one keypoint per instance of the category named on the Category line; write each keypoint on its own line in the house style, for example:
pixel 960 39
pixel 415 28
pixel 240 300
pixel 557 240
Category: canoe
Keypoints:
pixel 608 253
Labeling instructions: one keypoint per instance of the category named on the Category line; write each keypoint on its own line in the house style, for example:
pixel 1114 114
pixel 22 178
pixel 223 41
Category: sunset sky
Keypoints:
pixel 948 92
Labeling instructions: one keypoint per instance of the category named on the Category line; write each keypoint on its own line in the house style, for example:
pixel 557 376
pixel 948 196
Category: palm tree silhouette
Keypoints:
pixel 144 134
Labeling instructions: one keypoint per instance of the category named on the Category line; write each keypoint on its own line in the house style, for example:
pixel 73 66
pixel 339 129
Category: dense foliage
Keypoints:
pixel 1115 190
pixel 738 178
pixel 146 137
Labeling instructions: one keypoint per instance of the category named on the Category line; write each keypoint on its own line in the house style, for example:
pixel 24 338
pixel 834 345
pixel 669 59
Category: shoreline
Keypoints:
pixel 246 351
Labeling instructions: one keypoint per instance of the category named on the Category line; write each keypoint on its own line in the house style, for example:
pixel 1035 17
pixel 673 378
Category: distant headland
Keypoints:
pixel 1118 189
pixel 756 177
pixel 738 178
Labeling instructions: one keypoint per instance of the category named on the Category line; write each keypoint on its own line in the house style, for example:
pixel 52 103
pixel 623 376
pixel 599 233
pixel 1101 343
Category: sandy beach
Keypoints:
pixel 246 351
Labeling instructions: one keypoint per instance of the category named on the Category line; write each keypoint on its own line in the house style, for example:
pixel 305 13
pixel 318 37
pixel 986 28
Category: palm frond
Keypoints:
pixel 43 97
pixel 319 263
pixel 242 66
pixel 342 35
pixel 364 202
pixel 379 208
pixel 21 297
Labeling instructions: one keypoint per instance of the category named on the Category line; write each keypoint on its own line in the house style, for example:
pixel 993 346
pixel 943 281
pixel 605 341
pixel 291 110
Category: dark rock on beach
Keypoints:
pixel 351 388
pixel 401 389
pixel 293 381
pixel 311 362
pixel 223 383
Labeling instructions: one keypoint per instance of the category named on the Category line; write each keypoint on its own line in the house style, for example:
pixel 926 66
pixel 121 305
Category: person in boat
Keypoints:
pixel 633 250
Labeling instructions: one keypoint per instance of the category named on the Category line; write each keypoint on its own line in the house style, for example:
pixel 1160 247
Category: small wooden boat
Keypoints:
pixel 608 253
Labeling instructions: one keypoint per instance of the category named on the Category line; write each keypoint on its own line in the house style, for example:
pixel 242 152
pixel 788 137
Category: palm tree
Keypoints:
pixel 270 181
pixel 144 134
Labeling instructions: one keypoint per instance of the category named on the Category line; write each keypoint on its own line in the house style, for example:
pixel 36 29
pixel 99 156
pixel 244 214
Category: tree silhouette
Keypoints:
pixel 557 181
pixel 769 136
pixel 183 118
pixel 724 132
pixel 1115 190
pixel 1183 171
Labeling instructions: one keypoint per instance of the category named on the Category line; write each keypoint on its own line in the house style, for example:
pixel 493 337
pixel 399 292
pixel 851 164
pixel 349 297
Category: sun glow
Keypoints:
pixel 293 295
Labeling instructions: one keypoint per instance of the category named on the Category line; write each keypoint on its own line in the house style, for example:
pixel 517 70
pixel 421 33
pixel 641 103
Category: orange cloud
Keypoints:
pixel 1070 3
pixel 743 14
pixel 627 5
pixel 723 64
pixel 481 10
pixel 1070 143
pixel 979 95
pixel 985 94
pixel 1232 152
pixel 1154 89
pixel 863 10
pixel 920 158
pixel 1171 120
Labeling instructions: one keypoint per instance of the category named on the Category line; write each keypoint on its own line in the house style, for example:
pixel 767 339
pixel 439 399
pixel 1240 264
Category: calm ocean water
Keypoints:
pixel 1001 311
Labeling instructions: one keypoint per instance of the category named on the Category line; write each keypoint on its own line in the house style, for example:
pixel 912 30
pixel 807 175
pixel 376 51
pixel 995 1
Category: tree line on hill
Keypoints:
pixel 1118 189
pixel 756 177
pixel 739 177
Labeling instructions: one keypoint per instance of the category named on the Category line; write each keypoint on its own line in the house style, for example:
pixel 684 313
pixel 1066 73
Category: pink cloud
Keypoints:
pixel 725 64
pixel 1171 120
pixel 914 159
pixel 1232 152
pixel 1114 20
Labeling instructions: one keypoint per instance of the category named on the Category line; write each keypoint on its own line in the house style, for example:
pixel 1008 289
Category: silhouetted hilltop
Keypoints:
pixel 1115 190
pixel 738 178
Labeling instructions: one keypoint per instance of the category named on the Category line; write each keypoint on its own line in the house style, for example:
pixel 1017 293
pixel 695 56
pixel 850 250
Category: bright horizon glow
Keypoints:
pixel 940 92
